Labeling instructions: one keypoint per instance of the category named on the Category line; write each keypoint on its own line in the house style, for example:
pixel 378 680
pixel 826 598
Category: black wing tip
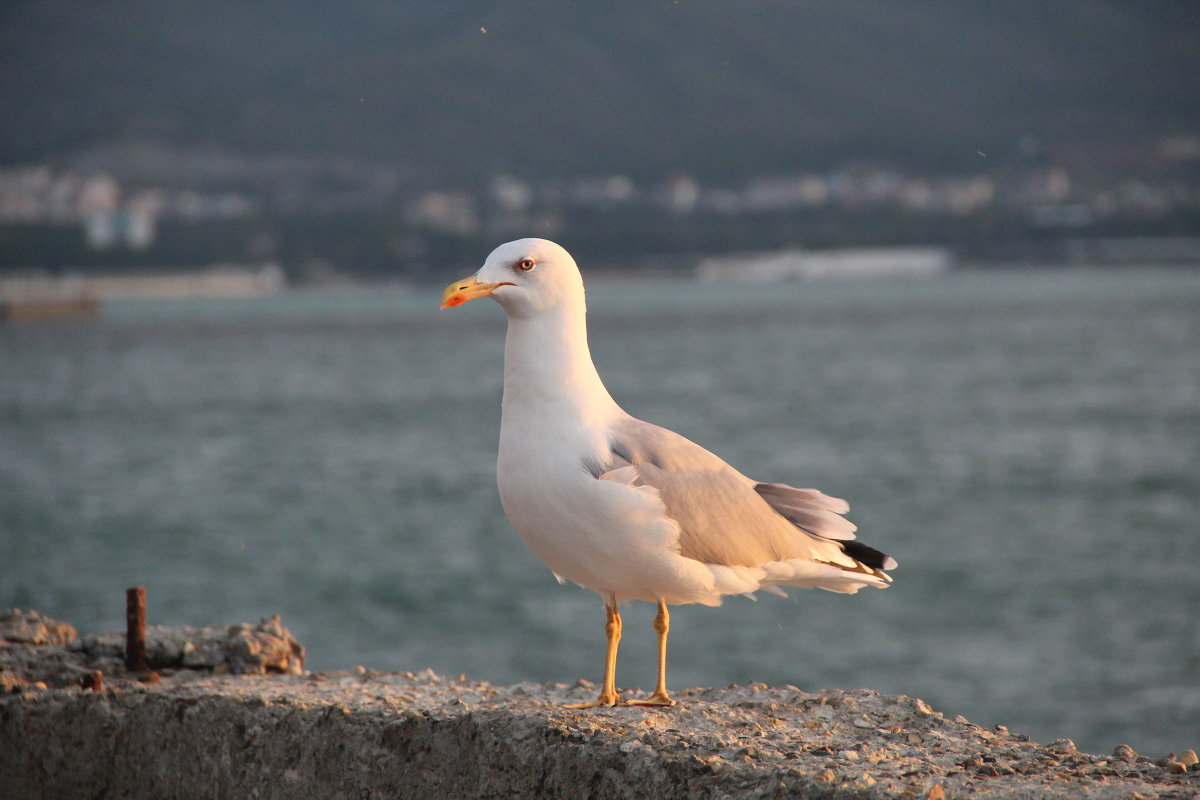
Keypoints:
pixel 867 555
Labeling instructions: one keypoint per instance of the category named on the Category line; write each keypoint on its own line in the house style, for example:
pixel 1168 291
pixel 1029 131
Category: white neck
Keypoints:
pixel 548 368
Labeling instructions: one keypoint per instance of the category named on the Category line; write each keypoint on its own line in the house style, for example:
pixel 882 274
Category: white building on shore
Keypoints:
pixel 795 265
pixel 40 294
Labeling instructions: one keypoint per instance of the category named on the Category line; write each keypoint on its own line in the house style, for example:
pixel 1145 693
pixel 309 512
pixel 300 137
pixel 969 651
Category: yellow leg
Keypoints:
pixel 608 690
pixel 662 624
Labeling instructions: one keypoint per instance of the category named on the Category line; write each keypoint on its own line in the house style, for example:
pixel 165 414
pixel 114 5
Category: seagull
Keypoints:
pixel 625 508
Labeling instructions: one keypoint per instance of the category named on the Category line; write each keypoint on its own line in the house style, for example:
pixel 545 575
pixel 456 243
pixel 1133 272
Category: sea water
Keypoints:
pixel 1025 444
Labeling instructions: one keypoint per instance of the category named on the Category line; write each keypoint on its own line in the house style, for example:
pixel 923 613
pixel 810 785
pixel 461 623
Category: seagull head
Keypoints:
pixel 526 277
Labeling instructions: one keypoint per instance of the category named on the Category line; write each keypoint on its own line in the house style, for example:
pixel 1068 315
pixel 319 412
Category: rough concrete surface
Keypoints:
pixel 362 733
pixel 245 648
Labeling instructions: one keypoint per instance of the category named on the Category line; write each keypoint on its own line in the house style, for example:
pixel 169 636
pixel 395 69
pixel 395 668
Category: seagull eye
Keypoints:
pixel 526 264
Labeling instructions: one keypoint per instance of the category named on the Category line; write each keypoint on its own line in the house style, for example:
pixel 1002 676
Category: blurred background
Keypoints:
pixel 937 258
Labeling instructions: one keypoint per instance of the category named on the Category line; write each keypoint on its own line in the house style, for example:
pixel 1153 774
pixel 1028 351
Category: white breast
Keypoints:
pixel 612 538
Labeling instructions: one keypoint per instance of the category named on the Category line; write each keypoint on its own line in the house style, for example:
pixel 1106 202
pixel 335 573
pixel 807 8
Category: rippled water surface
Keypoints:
pixel 1027 445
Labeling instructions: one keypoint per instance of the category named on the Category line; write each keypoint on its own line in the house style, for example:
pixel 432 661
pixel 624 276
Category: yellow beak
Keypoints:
pixel 466 289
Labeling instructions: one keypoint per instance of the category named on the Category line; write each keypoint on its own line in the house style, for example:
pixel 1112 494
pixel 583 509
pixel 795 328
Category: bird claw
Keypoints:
pixel 658 699
pixel 603 701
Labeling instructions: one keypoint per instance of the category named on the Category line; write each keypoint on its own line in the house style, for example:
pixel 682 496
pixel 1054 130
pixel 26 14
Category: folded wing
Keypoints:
pixel 728 519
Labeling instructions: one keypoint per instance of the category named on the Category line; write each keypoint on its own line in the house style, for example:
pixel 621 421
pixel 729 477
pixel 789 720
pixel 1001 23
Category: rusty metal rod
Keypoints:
pixel 135 630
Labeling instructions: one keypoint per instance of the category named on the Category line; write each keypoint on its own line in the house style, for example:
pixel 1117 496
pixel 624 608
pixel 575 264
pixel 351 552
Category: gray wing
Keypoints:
pixel 820 515
pixel 724 516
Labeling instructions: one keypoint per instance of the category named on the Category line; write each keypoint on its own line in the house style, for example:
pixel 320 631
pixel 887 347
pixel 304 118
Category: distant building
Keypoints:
pixel 794 265
pixel 446 212
pixel 100 194
pixel 133 227
pixel 681 193
pixel 224 280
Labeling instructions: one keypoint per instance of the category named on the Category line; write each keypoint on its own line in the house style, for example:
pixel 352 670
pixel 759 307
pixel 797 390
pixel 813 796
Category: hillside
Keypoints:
pixel 723 90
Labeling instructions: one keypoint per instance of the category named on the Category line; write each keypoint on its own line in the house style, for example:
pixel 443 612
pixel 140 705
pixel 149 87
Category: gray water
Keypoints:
pixel 1027 445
